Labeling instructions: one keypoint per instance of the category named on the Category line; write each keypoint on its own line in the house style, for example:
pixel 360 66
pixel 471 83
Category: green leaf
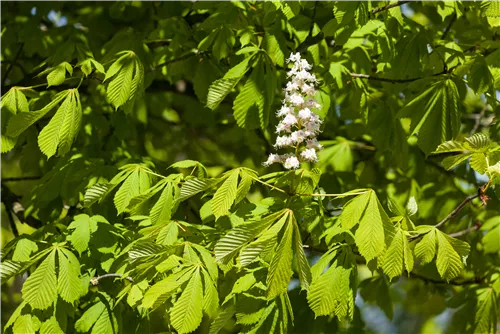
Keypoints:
pixel 451 256
pixel 162 290
pixel 392 262
pixel 376 290
pixel 354 209
pixel 83 226
pixel 163 209
pixel 225 196
pixel 58 74
pixel 187 312
pixel 194 186
pixel 24 249
pixel 246 181
pixel 374 229
pixel 331 292
pixel 89 317
pixel 221 320
pixel 248 106
pixel 9 269
pixel 168 234
pixel 425 250
pixel 96 193
pixel 486 313
pixel 218 90
pixel 68 283
pixel 40 289
pixel 20 122
pixel 233 241
pixel 280 269
pixel 51 326
pixel 136 183
pixel 434 115
pixel 26 324
pixel 63 127
pixel 119 88
pixel 303 267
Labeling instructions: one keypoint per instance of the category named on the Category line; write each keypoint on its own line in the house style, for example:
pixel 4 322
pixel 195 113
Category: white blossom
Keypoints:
pixel 291 163
pixel 299 125
pixel 272 159
pixel 309 155
pixel 289 120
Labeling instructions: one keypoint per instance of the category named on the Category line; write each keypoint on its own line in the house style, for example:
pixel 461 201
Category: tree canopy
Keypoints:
pixel 250 167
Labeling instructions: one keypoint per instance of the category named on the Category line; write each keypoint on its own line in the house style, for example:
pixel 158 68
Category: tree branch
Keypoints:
pixel 186 56
pixel 448 27
pixel 371 77
pixel 389 6
pixel 9 69
pixel 477 280
pixel 449 216
pixel 20 178
pixel 476 227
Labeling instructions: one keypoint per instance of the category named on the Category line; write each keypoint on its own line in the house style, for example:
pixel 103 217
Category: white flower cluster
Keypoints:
pixel 299 125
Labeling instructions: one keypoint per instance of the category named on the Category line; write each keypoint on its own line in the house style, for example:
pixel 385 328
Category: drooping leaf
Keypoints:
pixel 40 289
pixel 186 314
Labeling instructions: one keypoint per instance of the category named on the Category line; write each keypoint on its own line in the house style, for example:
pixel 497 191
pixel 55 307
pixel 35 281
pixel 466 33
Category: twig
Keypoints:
pixel 9 69
pixel 477 280
pixel 447 30
pixel 478 121
pixel 389 6
pixel 332 195
pixel 371 77
pixel 95 280
pixel 186 56
pixel 20 178
pixel 457 210
pixel 476 227
pixel 449 216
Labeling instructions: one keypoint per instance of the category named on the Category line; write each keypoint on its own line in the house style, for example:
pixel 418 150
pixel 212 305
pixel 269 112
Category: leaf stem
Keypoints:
pixel 269 185
pixel 95 280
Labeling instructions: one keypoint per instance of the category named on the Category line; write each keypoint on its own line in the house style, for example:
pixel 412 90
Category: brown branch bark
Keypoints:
pixel 389 6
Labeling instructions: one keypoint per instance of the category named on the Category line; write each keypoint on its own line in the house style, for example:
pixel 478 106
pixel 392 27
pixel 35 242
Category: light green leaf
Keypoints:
pixel 24 248
pixel 486 312
pixel 226 194
pixel 168 234
pixel 221 320
pixel 434 115
pixel 218 90
pixel 280 269
pixel 40 289
pixel 233 241
pixel 89 317
pixel 162 290
pixel 20 122
pixel 58 74
pixel 425 250
pixel 51 326
pixel 248 106
pixel 354 209
pixel 26 324
pixel 451 256
pixel 187 312
pixel 303 268
pixel 83 226
pixel 68 283
pixel 96 193
pixel 393 259
pixel 63 127
pixel 163 209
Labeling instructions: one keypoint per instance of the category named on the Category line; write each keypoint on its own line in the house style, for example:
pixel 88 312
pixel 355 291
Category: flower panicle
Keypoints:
pixel 299 124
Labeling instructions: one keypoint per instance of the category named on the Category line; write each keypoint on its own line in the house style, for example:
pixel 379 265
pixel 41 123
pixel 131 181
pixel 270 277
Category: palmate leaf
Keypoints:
pixel 232 242
pixel 162 211
pixel 226 194
pixel 194 186
pixel 486 312
pixel 24 248
pixel 161 291
pixel 23 120
pixel 434 115
pixel 58 74
pixel 425 250
pixel 89 317
pixel 51 326
pixel 63 127
pixel 247 177
pixel 8 269
pixel 68 281
pixel 210 295
pixel 280 269
pixel 136 183
pixel 40 289
pixel 451 255
pixel 128 77
pixel 14 101
pixel 249 104
pixel 83 226
pixel 96 193
pixel 221 320
pixel 375 228
pixel 332 291
pixel 398 256
pixel 303 268
pixel 187 312
pixel 26 324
